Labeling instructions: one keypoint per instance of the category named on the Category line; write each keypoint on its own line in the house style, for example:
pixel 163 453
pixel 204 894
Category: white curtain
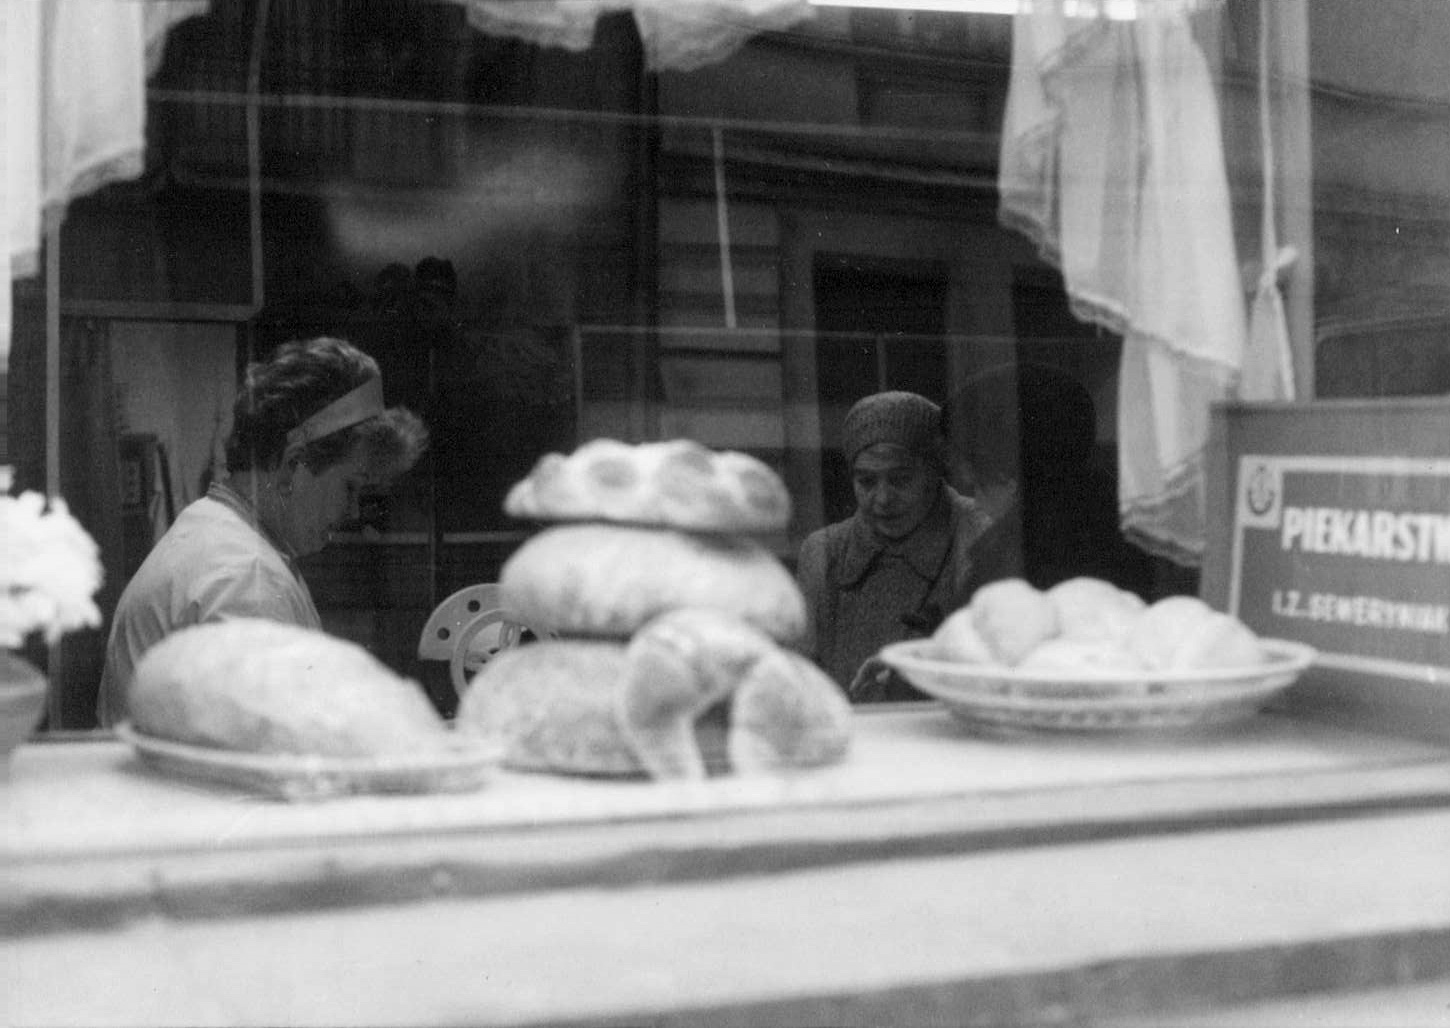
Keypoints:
pixel 1112 163
pixel 1268 372
pixel 73 116
pixel 678 35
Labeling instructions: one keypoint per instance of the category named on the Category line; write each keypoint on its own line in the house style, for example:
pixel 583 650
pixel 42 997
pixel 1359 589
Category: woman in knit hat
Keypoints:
pixel 914 551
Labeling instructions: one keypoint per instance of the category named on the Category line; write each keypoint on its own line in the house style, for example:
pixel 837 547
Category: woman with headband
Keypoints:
pixel 309 429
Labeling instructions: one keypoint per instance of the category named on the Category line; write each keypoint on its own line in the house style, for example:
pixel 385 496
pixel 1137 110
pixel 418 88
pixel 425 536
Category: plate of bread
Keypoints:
pixel 1086 656
pixel 294 714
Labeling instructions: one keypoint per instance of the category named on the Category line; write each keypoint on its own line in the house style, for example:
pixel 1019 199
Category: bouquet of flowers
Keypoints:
pixel 49 570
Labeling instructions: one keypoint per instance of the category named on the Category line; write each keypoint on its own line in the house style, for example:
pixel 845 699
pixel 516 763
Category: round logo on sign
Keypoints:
pixel 1262 491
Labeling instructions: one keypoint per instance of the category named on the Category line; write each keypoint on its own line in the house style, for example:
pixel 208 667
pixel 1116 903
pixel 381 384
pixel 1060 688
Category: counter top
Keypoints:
pixel 936 875
pixel 99 799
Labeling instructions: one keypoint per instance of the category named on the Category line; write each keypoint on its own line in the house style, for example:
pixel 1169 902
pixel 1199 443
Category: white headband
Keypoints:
pixel 364 402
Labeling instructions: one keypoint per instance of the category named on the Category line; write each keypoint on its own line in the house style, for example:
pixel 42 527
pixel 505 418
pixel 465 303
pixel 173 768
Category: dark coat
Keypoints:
pixel 863 592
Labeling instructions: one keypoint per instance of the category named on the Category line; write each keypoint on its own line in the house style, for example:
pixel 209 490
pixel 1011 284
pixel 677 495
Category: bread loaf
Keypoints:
pixel 677 484
pixel 608 580
pixel 550 707
pixel 787 713
pixel 599 707
pixel 264 687
pixel 677 667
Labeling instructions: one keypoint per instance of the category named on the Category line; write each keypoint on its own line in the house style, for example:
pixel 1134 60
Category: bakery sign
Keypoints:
pixel 1350 554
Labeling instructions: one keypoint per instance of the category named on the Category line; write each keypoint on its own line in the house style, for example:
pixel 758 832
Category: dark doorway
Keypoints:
pixel 1067 479
pixel 880 324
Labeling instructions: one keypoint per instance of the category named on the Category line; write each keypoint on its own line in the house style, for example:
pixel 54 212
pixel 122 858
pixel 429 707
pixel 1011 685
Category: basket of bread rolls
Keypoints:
pixel 664 615
pixel 1087 656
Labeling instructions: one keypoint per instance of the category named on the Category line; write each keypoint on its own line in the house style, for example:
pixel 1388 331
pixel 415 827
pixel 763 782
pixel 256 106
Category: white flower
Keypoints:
pixel 49 570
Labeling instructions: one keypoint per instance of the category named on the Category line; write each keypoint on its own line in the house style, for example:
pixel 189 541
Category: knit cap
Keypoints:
pixel 904 419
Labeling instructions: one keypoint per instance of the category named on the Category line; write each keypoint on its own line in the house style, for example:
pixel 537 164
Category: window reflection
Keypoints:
pixel 542 246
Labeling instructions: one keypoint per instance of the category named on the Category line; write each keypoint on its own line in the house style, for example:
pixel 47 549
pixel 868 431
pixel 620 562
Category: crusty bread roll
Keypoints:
pixel 1092 626
pixel 676 484
pixel 957 639
pixel 550 705
pixel 1012 617
pixel 1182 632
pixel 787 713
pixel 1162 627
pixel 1221 641
pixel 1093 610
pixel 1067 654
pixel 608 580
pixel 264 687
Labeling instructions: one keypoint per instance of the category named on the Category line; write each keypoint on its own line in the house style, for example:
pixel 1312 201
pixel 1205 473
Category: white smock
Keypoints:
pixel 214 563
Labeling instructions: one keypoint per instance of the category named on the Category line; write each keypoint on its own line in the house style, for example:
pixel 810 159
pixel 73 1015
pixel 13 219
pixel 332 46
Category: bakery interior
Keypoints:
pixel 558 221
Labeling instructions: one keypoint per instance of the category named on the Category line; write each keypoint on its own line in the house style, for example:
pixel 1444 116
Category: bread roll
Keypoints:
pixel 1093 610
pixel 1218 641
pixel 264 687
pixel 787 713
pixel 1012 617
pixel 1070 655
pixel 550 706
pixel 957 639
pixel 677 484
pixel 1182 632
pixel 608 580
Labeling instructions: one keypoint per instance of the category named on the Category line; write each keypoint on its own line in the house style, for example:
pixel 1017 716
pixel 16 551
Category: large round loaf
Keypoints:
pixel 264 687
pixel 676 484
pixel 608 580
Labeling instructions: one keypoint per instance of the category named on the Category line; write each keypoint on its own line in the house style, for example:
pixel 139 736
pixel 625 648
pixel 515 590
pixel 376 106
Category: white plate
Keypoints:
pixel 461 767
pixel 1094 700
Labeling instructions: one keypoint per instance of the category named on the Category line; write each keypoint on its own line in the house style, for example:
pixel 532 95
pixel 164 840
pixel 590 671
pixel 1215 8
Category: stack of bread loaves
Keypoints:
pixel 664 605
pixel 1088 625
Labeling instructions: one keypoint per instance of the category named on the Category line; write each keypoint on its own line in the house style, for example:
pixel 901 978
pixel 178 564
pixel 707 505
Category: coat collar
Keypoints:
pixel 924 550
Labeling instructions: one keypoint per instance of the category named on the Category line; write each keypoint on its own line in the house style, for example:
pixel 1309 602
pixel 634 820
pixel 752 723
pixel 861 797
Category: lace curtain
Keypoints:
pixel 1112 163
pixel 678 35
pixel 73 118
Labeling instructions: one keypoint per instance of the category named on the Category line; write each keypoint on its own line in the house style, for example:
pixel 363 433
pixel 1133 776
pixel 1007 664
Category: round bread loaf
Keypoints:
pixel 550 706
pixel 608 580
pixel 264 687
pixel 676 484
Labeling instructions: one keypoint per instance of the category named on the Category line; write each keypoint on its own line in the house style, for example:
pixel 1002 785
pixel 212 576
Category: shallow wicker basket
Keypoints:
pixel 1096 700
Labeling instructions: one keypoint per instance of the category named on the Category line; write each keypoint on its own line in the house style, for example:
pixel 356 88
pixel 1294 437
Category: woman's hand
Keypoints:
pixel 869 685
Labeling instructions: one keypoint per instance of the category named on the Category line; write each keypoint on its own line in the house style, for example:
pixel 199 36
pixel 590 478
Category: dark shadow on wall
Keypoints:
pixel 1065 485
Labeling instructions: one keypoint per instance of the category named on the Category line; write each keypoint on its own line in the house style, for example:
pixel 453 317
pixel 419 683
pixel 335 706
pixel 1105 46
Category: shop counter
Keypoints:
pixel 937 875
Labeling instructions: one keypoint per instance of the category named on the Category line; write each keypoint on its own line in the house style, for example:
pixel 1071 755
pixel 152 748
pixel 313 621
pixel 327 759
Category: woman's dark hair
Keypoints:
pixel 299 380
